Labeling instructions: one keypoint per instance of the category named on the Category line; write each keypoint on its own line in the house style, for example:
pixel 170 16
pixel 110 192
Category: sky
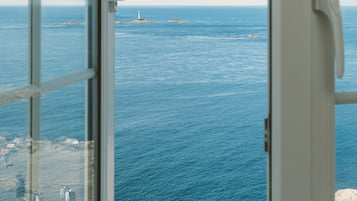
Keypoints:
pixel 160 2
pixel 194 2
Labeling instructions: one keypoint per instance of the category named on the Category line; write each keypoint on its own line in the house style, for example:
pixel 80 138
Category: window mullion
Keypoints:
pixel 35 63
pixel 34 101
pixel 92 103
pixel 106 100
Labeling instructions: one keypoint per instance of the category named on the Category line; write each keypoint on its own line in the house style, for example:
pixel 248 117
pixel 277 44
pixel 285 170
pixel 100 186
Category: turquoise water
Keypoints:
pixel 190 98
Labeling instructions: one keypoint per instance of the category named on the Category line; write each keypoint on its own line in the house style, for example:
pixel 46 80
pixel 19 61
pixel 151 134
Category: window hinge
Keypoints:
pixel 267 135
pixel 113 4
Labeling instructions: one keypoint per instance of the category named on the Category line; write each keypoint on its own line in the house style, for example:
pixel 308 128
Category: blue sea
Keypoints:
pixel 190 98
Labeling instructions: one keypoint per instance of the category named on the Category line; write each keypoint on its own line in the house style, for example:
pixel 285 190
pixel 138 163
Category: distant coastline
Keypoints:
pixel 140 20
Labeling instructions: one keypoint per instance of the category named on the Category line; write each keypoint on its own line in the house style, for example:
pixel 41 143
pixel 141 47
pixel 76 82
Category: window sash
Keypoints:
pixel 303 103
pixel 106 100
pixel 99 94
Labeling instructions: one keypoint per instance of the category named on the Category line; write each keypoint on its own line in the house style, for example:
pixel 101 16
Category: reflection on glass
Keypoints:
pixel 14 144
pixel 55 163
pixel 63 40
pixel 65 156
pixel 14 46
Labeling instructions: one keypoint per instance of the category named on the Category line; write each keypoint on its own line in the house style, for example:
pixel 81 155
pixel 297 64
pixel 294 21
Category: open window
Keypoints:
pixel 51 147
pixel 191 88
pixel 306 56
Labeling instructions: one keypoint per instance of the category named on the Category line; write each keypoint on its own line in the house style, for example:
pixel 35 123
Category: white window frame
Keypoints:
pixel 106 96
pixel 303 103
pixel 99 96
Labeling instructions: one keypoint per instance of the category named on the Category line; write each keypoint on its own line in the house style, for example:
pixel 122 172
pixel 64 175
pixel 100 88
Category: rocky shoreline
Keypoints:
pixel 346 195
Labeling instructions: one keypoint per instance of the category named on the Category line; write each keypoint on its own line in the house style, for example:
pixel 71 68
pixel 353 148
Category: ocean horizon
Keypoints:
pixel 190 97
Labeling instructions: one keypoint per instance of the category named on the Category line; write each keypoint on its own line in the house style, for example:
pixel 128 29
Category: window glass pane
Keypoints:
pixel 63 157
pixel 64 145
pixel 13 46
pixel 191 98
pixel 346 138
pixel 13 119
pixel 63 40
pixel 14 154
pixel 63 111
